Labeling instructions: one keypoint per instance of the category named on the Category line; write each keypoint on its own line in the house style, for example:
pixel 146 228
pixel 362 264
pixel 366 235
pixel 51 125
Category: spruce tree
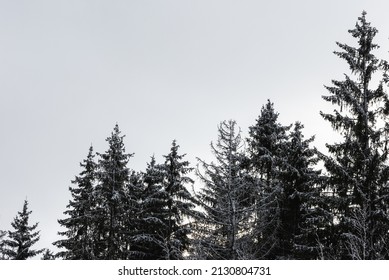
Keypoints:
pixel 80 242
pixel 180 204
pixel 154 215
pixel 20 241
pixel 303 212
pixel 291 212
pixel 267 144
pixel 223 227
pixel 132 226
pixel 357 165
pixel 113 175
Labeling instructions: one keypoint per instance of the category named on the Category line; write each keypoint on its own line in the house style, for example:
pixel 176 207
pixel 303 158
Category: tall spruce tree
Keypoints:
pixel 80 242
pixel 180 204
pixel 223 227
pixel 357 166
pixel 290 211
pixel 113 175
pixel 267 145
pixel 20 241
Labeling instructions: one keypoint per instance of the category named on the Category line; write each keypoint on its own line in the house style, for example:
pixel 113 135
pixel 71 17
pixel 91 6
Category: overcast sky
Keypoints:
pixel 163 70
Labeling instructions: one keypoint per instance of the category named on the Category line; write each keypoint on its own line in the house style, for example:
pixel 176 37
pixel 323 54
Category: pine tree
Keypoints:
pixel 80 238
pixel 267 159
pixel 224 225
pixel 357 166
pixel 113 175
pixel 20 241
pixel 180 204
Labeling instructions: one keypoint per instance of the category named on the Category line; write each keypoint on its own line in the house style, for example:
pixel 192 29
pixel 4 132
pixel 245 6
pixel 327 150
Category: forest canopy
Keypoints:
pixel 272 195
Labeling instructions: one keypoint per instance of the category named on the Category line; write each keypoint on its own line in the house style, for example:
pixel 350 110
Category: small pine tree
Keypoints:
pixel 80 237
pixel 20 241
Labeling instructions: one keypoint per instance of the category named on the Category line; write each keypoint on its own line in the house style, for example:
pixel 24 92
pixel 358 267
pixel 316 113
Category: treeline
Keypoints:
pixel 262 197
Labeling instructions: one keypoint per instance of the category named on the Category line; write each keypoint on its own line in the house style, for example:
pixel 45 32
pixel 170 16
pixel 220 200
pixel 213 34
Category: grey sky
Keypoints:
pixel 164 70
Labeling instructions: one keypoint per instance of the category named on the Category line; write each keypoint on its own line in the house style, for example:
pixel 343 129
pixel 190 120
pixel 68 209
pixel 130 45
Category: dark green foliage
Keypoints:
pixel 19 244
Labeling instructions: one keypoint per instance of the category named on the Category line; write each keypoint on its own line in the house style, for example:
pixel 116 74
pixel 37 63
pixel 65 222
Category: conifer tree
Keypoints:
pixel 132 226
pixel 223 228
pixel 80 242
pixel 357 166
pixel 290 211
pixel 20 241
pixel 267 159
pixel 180 204
pixel 303 212
pixel 153 217
pixel 113 175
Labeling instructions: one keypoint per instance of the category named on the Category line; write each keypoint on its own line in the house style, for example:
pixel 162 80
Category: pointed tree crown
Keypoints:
pixel 23 237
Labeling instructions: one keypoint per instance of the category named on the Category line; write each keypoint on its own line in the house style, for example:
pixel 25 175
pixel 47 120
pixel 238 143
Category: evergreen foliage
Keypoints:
pixel 116 213
pixel 267 145
pixel 19 244
pixel 180 204
pixel 154 213
pixel 302 210
pixel 262 198
pixel 357 166
pixel 113 177
pixel 288 204
pixel 80 238
pixel 131 226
